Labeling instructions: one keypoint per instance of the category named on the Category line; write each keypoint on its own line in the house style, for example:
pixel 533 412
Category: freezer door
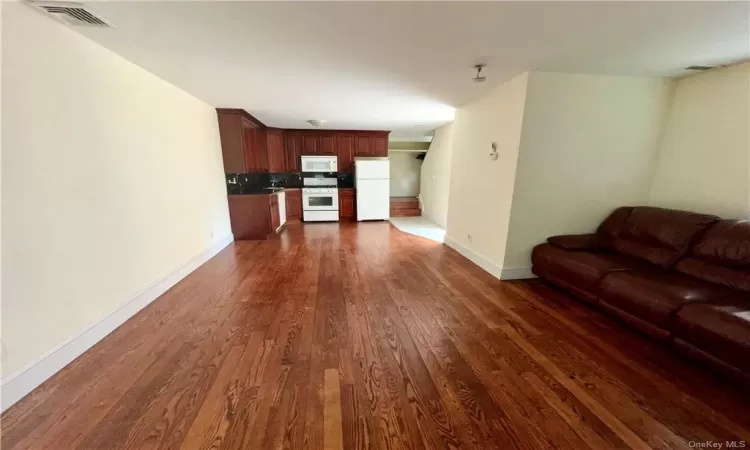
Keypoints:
pixel 379 169
pixel 373 200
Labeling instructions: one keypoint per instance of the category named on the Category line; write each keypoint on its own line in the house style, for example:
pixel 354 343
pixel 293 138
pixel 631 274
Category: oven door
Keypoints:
pixel 320 202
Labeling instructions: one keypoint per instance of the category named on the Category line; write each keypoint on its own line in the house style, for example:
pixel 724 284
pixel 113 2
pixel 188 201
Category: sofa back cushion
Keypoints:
pixel 721 255
pixel 612 225
pixel 660 236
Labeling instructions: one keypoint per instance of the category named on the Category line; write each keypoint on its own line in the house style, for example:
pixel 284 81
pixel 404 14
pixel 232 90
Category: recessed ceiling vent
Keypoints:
pixel 700 68
pixel 74 14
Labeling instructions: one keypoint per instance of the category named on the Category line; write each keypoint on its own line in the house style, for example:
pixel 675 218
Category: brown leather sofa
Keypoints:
pixel 678 276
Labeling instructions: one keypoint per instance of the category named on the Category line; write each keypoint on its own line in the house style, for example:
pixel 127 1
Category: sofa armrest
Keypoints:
pixel 579 242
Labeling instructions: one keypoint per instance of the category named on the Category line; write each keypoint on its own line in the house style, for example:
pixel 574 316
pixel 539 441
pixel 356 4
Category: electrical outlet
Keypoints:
pixel 468 236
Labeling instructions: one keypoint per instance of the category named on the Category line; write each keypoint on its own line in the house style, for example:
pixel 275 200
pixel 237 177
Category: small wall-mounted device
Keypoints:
pixel 493 154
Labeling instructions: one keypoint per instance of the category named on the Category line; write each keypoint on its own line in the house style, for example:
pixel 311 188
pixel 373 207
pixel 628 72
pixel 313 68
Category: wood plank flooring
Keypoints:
pixel 358 336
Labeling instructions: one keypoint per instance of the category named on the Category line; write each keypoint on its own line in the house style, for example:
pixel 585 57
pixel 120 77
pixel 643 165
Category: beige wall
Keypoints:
pixel 481 190
pixel 589 144
pixel 112 179
pixel 406 171
pixel 436 176
pixel 705 154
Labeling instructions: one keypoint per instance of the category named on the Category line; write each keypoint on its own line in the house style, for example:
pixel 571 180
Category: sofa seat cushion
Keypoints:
pixel 721 329
pixel 581 268
pixel 655 296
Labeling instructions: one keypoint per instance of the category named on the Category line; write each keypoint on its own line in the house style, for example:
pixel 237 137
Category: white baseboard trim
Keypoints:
pixel 24 380
pixel 515 273
pixel 518 273
pixel 478 259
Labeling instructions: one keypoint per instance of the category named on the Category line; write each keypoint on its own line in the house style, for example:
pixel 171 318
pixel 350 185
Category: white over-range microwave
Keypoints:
pixel 323 164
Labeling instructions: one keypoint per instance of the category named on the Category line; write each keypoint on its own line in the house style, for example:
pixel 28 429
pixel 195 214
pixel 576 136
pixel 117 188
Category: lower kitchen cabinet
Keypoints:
pixel 293 205
pixel 255 217
pixel 249 216
pixel 273 204
pixel 347 204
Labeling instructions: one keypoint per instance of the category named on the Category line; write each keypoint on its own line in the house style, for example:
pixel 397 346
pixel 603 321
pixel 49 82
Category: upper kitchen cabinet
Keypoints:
pixel 257 152
pixel 243 142
pixel 372 143
pixel 292 151
pixel 232 136
pixel 276 154
pixel 327 145
pixel 345 152
pixel 311 144
pixel 363 145
pixel 380 145
pixel 249 146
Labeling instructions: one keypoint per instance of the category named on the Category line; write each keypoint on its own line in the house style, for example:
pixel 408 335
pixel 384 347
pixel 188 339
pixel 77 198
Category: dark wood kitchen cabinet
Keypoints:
pixel 293 205
pixel 364 145
pixel 380 145
pixel 257 152
pixel 275 219
pixel 276 156
pixel 311 144
pixel 345 152
pixel 255 217
pixel 292 151
pixel 243 142
pixel 347 204
pixel 250 216
pixel 249 146
pixel 328 145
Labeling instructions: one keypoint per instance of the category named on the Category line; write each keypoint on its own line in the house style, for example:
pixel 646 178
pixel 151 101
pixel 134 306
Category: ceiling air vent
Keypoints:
pixel 700 68
pixel 74 14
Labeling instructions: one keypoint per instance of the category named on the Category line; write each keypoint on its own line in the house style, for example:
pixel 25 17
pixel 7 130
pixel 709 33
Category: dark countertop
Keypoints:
pixel 255 191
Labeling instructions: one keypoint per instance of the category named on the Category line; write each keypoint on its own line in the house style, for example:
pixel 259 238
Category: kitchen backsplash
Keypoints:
pixel 247 183
pixel 346 180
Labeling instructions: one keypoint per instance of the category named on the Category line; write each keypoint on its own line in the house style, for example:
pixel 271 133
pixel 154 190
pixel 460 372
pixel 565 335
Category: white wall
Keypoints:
pixel 589 144
pixel 573 147
pixel 481 190
pixel 705 154
pixel 112 179
pixel 436 176
pixel 406 171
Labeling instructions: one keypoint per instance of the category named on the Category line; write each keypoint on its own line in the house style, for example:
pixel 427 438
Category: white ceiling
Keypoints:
pixel 403 66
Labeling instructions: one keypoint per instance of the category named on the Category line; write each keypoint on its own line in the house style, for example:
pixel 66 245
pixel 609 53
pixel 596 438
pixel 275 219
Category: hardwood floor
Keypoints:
pixel 360 336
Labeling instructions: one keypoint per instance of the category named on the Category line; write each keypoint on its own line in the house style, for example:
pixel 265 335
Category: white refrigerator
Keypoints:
pixel 372 181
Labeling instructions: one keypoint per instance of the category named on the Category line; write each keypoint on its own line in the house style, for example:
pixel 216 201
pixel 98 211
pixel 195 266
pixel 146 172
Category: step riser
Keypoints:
pixel 405 212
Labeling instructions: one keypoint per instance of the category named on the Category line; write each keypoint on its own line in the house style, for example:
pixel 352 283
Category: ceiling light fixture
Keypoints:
pixel 479 78
pixel 316 123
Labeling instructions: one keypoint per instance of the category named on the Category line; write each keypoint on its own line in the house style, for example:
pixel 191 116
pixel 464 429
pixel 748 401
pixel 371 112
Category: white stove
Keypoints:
pixel 320 190
pixel 320 199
